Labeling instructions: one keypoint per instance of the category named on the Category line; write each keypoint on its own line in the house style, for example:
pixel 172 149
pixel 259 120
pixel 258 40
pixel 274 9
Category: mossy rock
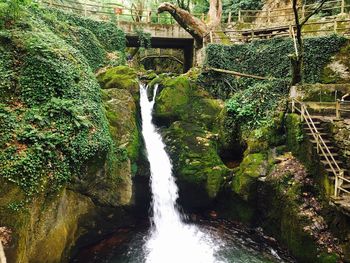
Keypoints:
pixel 181 100
pixel 120 77
pixel 196 161
pixel 45 230
pixel 246 175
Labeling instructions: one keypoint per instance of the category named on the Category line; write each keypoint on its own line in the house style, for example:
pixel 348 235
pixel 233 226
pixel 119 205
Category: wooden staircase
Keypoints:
pixel 343 185
pixel 325 149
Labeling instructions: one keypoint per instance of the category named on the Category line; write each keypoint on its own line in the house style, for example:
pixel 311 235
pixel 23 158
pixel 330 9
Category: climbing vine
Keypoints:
pixel 268 58
pixel 144 38
pixel 52 122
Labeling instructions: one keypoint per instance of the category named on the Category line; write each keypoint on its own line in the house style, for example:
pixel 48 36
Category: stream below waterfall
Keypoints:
pixel 171 237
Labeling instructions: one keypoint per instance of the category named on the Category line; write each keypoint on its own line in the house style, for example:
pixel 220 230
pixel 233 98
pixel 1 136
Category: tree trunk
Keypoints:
pixel 193 25
pixel 215 13
pixel 297 60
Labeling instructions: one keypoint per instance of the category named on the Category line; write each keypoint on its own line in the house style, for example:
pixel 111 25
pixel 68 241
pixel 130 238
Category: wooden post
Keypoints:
pixel 293 105
pixel 303 11
pixel 149 16
pixel 337 110
pixel 268 16
pixel 118 19
pixel 290 31
pixel 239 15
pixel 336 183
pixel 229 17
pixel 51 3
pixel 85 9
pixel 211 36
pixel 302 113
pixel 335 26
pixel 342 8
pixel 318 142
pixel 158 18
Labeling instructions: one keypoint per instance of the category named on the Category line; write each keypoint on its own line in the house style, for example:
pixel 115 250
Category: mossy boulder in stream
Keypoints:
pixel 120 77
pixel 189 120
pixel 245 177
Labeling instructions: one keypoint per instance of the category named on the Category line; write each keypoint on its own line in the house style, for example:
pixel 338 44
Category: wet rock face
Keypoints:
pixel 341 131
pixel 188 117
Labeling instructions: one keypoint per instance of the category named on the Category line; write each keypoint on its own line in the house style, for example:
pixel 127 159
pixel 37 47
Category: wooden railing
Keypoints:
pixel 121 13
pixel 334 7
pixel 334 26
pixel 322 147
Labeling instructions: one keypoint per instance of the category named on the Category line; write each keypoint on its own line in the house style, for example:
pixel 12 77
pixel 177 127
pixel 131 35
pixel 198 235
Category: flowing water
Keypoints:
pixel 171 238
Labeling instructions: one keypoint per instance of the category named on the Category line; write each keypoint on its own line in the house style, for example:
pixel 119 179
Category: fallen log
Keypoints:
pixel 239 74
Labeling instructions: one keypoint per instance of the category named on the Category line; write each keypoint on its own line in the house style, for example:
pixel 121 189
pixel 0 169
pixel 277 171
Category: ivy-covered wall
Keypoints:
pixel 268 58
pixel 52 121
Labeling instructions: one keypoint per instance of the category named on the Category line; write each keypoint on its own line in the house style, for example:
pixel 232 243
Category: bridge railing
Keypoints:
pixel 108 11
pixel 117 12
pixel 269 16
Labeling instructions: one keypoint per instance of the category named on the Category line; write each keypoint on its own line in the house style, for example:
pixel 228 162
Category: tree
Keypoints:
pixel 193 25
pixel 297 60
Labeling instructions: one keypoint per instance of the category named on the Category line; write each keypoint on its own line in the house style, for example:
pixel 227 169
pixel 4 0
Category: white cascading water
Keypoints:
pixel 171 240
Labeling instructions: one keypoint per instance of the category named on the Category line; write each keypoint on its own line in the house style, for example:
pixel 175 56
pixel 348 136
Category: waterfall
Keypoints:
pixel 170 240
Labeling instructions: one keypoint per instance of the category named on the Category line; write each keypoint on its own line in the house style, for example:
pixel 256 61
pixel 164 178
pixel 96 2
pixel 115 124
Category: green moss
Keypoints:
pixel 328 258
pixel 259 58
pixel 245 176
pixel 120 77
pixel 295 135
pixel 181 100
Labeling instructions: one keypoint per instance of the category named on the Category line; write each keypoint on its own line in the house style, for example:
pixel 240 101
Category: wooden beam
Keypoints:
pixel 239 74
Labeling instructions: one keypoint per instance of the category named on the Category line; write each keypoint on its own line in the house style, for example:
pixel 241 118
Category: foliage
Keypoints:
pixel 92 38
pixel 144 39
pixel 200 6
pixel 235 5
pixel 52 122
pixel 268 58
pixel 254 105
pixel 10 10
pixel 109 35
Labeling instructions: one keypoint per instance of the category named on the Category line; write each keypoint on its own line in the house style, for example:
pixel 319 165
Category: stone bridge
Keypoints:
pixel 174 54
pixel 166 36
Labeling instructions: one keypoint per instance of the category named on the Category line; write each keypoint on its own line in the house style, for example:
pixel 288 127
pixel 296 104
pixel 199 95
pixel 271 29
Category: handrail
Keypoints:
pixel 229 17
pixel 322 146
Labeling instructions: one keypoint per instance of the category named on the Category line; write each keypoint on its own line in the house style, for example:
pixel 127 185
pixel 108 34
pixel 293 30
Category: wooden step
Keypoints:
pixel 326 163
pixel 334 154
pixel 325 141
pixel 345 185
pixel 345 172
pixel 331 148
pixel 323 134
pixel 318 128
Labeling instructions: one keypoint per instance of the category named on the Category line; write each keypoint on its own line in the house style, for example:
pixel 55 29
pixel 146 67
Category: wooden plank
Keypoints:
pixel 237 73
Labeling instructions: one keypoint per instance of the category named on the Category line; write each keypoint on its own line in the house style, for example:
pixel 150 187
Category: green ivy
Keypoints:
pixel 234 5
pixel 254 106
pixel 268 58
pixel 144 38
pixel 92 38
pixel 52 120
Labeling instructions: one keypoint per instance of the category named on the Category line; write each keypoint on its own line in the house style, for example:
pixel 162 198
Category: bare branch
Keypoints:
pixel 318 9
